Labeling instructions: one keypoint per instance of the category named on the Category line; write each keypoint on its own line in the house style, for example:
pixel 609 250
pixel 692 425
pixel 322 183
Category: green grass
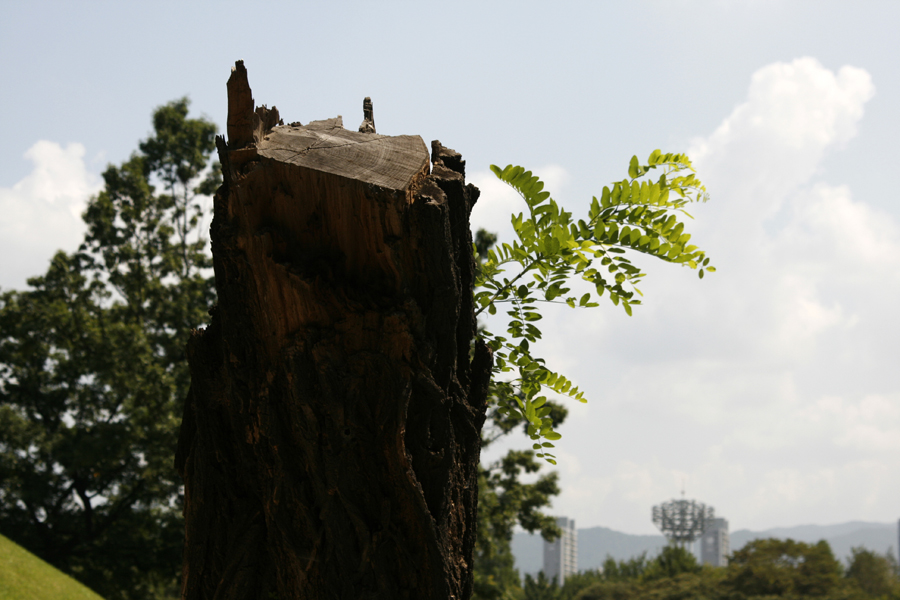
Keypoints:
pixel 23 576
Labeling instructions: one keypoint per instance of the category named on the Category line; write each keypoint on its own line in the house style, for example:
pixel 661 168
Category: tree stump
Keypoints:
pixel 331 435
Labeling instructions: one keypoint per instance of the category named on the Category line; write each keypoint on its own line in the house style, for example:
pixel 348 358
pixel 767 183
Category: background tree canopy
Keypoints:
pixel 92 372
pixel 763 569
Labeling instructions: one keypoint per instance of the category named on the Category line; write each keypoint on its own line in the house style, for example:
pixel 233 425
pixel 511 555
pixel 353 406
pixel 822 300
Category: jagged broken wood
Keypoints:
pixel 368 124
pixel 331 436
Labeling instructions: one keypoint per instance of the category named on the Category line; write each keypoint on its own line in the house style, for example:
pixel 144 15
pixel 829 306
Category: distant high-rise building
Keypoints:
pixel 714 544
pixel 561 556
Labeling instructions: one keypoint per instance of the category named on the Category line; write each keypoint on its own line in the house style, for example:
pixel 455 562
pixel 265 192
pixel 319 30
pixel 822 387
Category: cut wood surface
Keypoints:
pixel 331 437
pixel 391 162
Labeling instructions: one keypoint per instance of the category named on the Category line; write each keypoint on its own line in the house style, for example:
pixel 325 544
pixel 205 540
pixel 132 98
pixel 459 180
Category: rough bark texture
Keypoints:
pixel 331 436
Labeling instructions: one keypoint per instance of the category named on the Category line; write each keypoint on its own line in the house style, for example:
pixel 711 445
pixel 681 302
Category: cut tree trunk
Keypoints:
pixel 331 436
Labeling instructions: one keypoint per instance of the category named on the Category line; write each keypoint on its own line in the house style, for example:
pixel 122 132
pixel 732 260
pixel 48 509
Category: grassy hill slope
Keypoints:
pixel 24 576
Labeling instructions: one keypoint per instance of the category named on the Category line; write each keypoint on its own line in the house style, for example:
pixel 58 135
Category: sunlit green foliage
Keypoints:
pixel 552 249
pixel 504 499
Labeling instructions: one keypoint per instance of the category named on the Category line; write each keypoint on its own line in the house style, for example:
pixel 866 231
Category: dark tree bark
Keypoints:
pixel 331 436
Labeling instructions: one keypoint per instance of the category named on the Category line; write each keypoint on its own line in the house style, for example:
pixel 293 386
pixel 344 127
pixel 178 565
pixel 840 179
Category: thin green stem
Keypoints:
pixel 506 287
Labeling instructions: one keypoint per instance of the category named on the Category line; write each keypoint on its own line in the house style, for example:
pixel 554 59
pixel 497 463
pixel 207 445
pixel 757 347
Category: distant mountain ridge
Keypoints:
pixel 595 543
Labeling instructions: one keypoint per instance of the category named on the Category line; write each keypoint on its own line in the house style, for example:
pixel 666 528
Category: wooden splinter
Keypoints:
pixel 368 124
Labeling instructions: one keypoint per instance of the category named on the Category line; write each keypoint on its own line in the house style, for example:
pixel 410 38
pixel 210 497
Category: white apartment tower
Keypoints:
pixel 561 556
pixel 714 544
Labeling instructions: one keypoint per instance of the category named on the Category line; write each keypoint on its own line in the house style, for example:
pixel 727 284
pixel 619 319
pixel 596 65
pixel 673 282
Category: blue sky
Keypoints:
pixel 771 388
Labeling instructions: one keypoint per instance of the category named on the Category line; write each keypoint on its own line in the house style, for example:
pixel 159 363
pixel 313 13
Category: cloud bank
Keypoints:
pixel 42 213
pixel 769 389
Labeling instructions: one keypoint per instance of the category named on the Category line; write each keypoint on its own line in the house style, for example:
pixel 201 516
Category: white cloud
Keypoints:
pixel 42 213
pixel 775 141
pixel 770 385
pixel 789 250
pixel 828 229
pixel 870 424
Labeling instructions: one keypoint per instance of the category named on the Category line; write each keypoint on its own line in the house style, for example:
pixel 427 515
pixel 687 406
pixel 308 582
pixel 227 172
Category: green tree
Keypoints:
pixel 92 373
pixel 671 562
pixel 541 588
pixel 875 574
pixel 575 583
pixel 625 570
pixel 648 580
pixel 702 585
pixel 503 499
pixel 147 246
pixel 611 590
pixel 773 567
